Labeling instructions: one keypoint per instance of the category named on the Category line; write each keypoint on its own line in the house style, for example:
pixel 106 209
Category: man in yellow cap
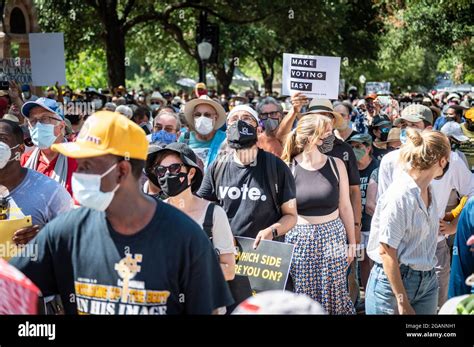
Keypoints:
pixel 152 258
pixel 468 130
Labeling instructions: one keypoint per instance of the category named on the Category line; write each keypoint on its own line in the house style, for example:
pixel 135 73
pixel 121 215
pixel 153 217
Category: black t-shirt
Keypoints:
pixel 169 267
pixel 343 151
pixel 245 195
pixel 364 182
pixel 378 153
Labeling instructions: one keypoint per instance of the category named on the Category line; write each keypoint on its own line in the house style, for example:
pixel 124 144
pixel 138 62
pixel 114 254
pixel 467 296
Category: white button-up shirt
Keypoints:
pixel 458 177
pixel 402 221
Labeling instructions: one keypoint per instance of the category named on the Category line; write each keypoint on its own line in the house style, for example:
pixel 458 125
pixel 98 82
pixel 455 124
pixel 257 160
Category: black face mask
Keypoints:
pixel 241 135
pixel 444 172
pixel 172 185
pixel 327 145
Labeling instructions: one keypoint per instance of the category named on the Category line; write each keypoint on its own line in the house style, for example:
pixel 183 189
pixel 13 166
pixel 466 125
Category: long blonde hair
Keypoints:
pixel 424 149
pixel 309 130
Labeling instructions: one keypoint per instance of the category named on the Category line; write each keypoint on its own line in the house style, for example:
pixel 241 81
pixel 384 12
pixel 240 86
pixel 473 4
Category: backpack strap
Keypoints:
pixel 187 136
pixel 209 220
pixel 272 175
pixel 333 164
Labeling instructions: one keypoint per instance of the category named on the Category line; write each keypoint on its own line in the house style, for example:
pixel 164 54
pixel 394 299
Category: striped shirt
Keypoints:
pixel 402 221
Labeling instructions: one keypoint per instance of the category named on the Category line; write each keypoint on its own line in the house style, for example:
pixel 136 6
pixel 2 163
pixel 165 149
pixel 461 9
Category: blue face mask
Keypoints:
pixel 163 136
pixel 42 135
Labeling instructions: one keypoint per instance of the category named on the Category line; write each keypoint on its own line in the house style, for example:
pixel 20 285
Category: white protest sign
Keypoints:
pixel 315 76
pixel 48 65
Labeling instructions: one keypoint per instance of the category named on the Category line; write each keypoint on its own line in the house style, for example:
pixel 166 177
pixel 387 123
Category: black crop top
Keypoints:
pixel 317 191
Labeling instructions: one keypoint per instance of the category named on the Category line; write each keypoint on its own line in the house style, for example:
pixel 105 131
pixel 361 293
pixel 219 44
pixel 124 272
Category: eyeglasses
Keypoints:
pixel 42 120
pixel 273 115
pixel 173 169
pixel 205 114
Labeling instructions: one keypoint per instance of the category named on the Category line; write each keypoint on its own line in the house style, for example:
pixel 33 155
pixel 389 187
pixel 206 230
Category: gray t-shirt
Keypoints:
pixel 40 197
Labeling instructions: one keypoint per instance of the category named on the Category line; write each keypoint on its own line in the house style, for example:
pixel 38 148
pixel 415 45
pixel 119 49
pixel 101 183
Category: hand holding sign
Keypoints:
pixel 265 234
pixel 298 100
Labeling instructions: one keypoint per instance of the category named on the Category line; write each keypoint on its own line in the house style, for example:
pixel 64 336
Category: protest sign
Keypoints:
pixel 315 76
pixel 18 295
pixel 7 229
pixel 382 88
pixel 266 267
pixel 15 69
pixel 48 65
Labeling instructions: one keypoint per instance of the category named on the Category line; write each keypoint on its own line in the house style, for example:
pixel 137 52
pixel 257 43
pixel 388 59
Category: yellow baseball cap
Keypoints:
pixel 106 132
pixel 469 114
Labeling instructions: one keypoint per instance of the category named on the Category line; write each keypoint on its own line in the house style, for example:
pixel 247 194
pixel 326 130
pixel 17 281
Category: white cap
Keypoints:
pixel 453 129
pixel 360 102
pixel 245 108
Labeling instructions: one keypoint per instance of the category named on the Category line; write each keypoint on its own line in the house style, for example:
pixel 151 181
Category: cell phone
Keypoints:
pixel 4 85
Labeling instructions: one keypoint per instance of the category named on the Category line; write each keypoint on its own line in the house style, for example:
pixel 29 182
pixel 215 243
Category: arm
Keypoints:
pixel 298 101
pixel 356 202
pixel 286 222
pixel 15 96
pixel 391 268
pixel 345 208
pixel 371 199
pixel 60 93
pixel 227 262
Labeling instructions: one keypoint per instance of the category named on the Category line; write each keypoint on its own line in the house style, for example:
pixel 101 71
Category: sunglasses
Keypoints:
pixel 273 115
pixel 173 169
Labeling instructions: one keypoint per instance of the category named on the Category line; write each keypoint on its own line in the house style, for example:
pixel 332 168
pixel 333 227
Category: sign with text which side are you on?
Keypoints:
pixel 314 76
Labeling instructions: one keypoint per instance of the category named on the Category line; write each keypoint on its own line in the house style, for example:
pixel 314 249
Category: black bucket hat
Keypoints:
pixel 189 158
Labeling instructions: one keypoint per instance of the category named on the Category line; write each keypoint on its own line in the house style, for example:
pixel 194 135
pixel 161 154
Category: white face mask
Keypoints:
pixel 204 125
pixel 5 154
pixel 86 190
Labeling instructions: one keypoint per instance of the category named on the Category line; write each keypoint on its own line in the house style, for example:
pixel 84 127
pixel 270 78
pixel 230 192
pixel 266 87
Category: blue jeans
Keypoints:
pixel 421 287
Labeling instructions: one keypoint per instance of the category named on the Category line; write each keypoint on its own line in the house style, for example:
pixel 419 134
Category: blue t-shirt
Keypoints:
pixel 40 197
pixel 206 150
pixel 462 265
pixel 169 267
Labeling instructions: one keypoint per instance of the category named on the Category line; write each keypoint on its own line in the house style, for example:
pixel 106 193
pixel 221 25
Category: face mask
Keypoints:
pixel 26 95
pixel 42 135
pixel 97 103
pixel 328 144
pixel 241 135
pixel 86 190
pixel 163 136
pixel 270 125
pixel 173 185
pixel 204 125
pixel 5 154
pixel 445 169
pixel 403 134
pixel 154 107
pixel 359 153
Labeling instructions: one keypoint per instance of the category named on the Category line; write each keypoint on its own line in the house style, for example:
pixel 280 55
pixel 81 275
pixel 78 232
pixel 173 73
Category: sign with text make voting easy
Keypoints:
pixel 315 76
pixel 266 267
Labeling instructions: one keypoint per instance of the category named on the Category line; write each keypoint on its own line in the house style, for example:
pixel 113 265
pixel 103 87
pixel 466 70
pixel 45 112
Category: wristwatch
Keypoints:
pixel 274 232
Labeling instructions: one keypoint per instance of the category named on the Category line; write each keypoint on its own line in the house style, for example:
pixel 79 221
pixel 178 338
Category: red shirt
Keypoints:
pixel 48 168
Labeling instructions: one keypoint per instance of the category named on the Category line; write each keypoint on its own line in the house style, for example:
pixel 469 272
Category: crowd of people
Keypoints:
pixel 126 188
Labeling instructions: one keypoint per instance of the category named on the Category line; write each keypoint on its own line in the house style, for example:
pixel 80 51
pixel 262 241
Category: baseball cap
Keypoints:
pixel 245 108
pixel 453 96
pixel 106 132
pixel 453 129
pixel 189 158
pixel 378 121
pixel 415 113
pixel 371 96
pixel 46 103
pixel 469 114
pixel 361 138
pixel 279 302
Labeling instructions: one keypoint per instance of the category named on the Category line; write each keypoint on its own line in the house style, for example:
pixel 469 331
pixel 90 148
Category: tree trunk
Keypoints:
pixel 115 52
pixel 223 77
pixel 266 68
